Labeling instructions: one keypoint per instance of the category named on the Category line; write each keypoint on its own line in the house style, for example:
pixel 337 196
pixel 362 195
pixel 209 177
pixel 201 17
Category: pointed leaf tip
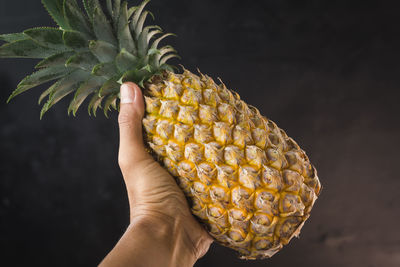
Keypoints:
pixel 12 37
pixel 9 98
pixel 39 77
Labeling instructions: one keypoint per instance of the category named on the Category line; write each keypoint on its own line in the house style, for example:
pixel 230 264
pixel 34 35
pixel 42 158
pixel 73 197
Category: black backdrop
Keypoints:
pixel 326 71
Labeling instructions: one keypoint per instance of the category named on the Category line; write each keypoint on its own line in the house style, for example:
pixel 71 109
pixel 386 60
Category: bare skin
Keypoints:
pixel 162 231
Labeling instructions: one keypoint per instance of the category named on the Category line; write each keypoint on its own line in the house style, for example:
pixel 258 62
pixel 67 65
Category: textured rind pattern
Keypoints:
pixel 247 181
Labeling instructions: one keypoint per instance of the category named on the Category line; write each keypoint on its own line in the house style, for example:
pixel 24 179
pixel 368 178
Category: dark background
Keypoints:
pixel 326 71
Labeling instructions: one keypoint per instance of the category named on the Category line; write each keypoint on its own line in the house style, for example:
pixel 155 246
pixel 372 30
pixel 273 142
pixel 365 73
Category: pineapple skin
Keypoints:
pixel 249 183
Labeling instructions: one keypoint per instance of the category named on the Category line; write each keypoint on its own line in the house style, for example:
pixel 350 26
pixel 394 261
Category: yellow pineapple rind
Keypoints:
pixel 248 182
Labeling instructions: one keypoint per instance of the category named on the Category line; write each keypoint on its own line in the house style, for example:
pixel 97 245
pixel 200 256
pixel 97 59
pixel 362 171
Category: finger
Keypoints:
pixel 131 148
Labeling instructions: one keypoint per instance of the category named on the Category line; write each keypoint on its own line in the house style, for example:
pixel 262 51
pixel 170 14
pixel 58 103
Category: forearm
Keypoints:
pixel 152 242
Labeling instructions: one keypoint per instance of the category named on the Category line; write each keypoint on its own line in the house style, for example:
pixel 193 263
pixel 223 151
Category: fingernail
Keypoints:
pixel 127 94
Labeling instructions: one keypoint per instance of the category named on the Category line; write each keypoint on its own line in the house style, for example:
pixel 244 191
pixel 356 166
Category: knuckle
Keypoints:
pixel 129 165
pixel 122 162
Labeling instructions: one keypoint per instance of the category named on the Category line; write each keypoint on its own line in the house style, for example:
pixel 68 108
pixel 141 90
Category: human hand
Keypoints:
pixel 162 230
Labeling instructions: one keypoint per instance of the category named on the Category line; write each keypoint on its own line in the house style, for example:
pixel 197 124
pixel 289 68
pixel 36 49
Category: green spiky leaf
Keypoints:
pixel 75 40
pixel 126 61
pixel 87 88
pixel 64 87
pixel 102 27
pixel 47 92
pixel 39 77
pixel 83 60
pixel 12 37
pixel 162 55
pixel 111 101
pixel 138 75
pixel 55 60
pixel 104 51
pixel 90 6
pixel 25 49
pixel 139 25
pixel 154 45
pixel 165 50
pixel 91 53
pixel 116 12
pixel 94 104
pixel 124 33
pixel 136 24
pixel 131 11
pixel 109 7
pixel 109 87
pixel 164 60
pixel 145 37
pixel 76 18
pixel 56 11
pixel 106 70
pixel 47 37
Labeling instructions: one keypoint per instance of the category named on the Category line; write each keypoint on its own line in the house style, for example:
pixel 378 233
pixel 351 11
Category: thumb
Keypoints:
pixel 131 149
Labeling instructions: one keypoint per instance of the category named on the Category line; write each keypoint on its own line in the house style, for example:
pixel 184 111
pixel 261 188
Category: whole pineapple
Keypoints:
pixel 246 180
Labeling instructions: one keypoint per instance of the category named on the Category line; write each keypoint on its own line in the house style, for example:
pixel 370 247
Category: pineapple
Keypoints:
pixel 250 184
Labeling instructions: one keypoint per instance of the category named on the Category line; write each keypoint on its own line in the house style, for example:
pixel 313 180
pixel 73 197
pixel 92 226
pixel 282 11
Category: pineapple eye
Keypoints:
pixel 194 152
pixel 237 214
pixel 292 180
pixel 219 194
pixel 291 205
pixel 237 236
pixel 262 244
pixel 274 139
pixel 206 172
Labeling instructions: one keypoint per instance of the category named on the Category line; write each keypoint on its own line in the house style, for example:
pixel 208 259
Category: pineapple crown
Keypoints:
pixel 90 53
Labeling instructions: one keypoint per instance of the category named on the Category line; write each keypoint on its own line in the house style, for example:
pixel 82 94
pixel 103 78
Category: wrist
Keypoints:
pixel 169 238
